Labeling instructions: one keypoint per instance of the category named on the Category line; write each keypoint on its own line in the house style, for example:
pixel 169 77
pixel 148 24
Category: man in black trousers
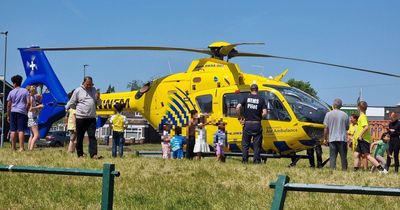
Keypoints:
pixel 254 108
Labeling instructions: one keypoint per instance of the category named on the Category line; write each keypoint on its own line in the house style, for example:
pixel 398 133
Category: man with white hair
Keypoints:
pixel 336 124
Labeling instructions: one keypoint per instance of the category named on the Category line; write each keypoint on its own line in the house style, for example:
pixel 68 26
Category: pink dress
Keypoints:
pixel 166 149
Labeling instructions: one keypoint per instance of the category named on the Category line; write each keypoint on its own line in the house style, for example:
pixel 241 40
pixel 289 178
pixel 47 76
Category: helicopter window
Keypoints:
pixel 305 107
pixel 204 103
pixel 230 103
pixel 276 111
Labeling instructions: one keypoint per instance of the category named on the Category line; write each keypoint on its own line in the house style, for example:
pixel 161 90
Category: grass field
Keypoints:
pixel 153 183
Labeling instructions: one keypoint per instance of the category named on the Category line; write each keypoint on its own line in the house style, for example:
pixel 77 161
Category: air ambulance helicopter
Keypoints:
pixel 211 85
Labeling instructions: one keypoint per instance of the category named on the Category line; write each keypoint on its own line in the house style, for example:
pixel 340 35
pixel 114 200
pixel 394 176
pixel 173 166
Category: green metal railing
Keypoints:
pixel 108 173
pixel 282 185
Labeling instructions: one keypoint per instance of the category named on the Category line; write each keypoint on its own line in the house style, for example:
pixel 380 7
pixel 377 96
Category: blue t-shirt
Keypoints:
pixel 220 137
pixel 177 142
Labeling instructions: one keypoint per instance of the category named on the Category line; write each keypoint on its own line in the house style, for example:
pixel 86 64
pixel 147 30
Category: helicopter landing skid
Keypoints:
pixel 264 156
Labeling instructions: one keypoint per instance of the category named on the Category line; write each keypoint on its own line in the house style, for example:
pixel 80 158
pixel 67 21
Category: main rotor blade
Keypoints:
pixel 203 51
pixel 226 49
pixel 316 62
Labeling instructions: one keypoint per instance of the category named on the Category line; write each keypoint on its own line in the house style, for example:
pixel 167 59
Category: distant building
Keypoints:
pixel 373 112
pixel 138 129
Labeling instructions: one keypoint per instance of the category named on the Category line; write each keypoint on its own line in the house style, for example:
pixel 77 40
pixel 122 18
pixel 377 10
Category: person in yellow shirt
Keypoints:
pixel 353 141
pixel 118 122
pixel 71 126
pixel 363 136
pixel 351 131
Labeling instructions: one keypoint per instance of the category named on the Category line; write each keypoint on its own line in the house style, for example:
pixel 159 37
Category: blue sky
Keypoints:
pixel 357 33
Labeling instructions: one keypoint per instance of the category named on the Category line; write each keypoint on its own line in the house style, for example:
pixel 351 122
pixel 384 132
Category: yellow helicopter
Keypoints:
pixel 214 86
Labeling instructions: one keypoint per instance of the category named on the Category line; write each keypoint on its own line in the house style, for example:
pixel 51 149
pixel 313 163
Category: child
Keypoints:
pixel 191 134
pixel 382 146
pixel 177 143
pixel 363 137
pixel 166 138
pixel 350 132
pixel 118 122
pixel 33 113
pixel 220 141
pixel 71 126
pixel 201 142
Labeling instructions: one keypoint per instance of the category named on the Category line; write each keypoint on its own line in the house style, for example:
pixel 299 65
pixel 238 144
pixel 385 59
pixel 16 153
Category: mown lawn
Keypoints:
pixel 153 183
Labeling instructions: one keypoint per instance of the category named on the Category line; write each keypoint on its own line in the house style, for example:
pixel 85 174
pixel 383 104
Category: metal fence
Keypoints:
pixel 282 185
pixel 108 173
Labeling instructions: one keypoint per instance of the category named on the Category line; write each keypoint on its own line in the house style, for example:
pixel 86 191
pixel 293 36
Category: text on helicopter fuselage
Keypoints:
pixel 109 103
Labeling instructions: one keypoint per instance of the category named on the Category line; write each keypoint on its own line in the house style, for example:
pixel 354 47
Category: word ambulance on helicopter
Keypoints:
pixel 212 85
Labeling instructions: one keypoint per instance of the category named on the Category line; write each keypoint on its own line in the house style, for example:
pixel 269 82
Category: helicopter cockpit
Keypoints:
pixel 305 107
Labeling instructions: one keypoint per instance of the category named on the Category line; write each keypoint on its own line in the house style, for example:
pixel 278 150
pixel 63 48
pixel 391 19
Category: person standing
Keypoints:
pixel 201 145
pixel 33 114
pixel 363 136
pixel 18 104
pixel 318 152
pixel 71 126
pixel 352 142
pixel 85 98
pixel 191 134
pixel 220 141
pixel 177 143
pixel 119 123
pixel 394 143
pixel 254 108
pixel 165 141
pixel 336 124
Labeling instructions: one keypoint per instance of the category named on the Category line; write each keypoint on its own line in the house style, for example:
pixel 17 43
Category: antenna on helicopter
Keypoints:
pixel 169 66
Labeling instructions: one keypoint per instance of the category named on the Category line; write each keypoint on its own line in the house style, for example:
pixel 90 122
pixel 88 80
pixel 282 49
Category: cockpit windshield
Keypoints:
pixel 305 107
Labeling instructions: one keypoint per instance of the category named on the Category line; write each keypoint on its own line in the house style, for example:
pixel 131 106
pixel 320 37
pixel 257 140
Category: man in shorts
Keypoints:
pixel 17 110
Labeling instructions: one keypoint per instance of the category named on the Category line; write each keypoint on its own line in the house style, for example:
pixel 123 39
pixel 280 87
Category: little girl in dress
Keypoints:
pixel 220 141
pixel 201 145
pixel 166 138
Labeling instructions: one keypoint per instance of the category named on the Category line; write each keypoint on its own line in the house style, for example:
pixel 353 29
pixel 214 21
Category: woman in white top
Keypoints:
pixel 33 113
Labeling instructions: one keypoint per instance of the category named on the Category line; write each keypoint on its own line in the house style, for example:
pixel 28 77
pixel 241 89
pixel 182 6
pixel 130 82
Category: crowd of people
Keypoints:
pixel 23 108
pixel 341 132
pixel 172 146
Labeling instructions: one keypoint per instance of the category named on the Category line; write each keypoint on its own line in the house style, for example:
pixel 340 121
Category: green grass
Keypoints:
pixel 153 183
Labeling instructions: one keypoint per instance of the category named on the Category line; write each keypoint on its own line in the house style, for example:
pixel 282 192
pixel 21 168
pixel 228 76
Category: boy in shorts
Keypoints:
pixel 17 110
pixel 363 136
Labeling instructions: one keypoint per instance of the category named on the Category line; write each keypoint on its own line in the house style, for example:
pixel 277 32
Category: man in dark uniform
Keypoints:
pixel 254 108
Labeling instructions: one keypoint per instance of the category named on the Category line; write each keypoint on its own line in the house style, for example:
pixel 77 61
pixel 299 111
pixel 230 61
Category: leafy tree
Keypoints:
pixel 110 89
pixel 304 86
pixel 135 84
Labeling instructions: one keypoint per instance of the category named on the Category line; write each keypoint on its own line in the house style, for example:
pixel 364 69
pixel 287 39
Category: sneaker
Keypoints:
pixel 97 157
pixel 384 171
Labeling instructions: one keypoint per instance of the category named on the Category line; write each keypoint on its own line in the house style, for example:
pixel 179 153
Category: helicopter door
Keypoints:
pixel 274 124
